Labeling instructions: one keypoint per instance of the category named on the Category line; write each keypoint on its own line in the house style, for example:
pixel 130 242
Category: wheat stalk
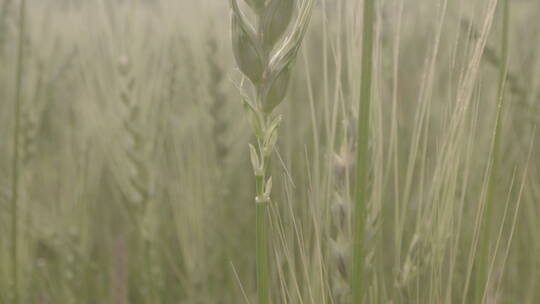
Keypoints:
pixel 264 54
pixel 360 209
pixel 482 281
pixel 15 176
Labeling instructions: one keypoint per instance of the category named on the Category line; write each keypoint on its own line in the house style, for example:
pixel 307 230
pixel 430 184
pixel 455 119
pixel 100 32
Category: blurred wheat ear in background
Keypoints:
pixel 393 151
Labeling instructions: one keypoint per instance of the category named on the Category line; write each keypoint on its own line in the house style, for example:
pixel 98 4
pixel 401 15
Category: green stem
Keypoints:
pixel 360 210
pixel 15 173
pixel 262 253
pixel 261 239
pixel 483 256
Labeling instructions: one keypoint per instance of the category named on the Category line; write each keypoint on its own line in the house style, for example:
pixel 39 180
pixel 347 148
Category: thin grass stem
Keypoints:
pixel 360 210
pixel 487 219
pixel 15 173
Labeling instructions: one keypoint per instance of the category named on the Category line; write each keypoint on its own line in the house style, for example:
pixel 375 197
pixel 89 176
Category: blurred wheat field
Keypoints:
pixel 133 169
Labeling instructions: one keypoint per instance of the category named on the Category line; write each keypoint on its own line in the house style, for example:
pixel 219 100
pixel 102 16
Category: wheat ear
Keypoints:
pixel 264 54
pixel 340 238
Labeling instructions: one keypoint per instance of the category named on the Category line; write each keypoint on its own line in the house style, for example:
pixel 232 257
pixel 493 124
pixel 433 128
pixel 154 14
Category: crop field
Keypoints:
pixel 269 151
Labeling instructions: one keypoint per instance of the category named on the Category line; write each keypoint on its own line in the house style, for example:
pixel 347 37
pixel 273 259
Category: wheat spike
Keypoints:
pixel 264 54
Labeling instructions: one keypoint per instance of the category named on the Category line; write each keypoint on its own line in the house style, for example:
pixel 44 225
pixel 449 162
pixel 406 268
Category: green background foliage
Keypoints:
pixel 135 184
